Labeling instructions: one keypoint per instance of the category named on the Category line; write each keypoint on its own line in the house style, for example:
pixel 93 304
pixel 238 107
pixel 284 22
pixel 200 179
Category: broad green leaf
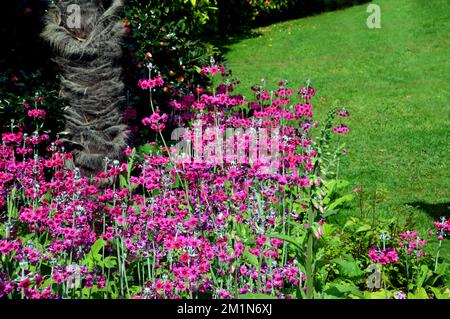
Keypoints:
pixel 442 268
pixel 381 294
pixel 363 228
pixel 340 201
pixel 95 249
pixel 343 290
pixel 123 181
pixel 420 293
pixel 348 267
pixel 440 295
pixel 349 223
pixel 423 276
pixel 328 229
pixel 329 213
pixel 336 184
pixel 110 262
pixel 252 259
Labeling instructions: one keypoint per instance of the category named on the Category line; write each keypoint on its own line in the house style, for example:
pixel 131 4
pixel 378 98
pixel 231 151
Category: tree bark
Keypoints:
pixel 88 58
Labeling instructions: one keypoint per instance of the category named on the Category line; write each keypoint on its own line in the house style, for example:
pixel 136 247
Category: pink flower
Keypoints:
pixel 184 258
pixel 37 113
pixel 155 117
pixel 243 270
pixel 383 257
pixel 341 129
pixel 224 294
pixel 146 84
pixel 214 70
pixel 120 220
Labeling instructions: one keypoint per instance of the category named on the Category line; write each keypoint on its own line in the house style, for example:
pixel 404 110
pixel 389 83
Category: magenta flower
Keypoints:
pixel 341 129
pixel 383 257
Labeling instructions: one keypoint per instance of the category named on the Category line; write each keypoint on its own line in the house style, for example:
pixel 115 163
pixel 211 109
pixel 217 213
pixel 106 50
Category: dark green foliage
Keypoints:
pixel 25 67
pixel 235 16
pixel 173 33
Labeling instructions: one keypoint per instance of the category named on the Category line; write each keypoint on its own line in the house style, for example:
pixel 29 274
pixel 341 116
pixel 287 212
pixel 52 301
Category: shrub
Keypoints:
pixel 168 36
pixel 223 224
pixel 25 68
pixel 236 16
pixel 167 227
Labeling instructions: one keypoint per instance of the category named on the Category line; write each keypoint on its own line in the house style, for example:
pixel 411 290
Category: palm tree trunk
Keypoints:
pixel 88 58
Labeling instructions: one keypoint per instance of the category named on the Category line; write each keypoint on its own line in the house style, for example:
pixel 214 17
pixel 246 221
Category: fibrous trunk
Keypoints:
pixel 88 56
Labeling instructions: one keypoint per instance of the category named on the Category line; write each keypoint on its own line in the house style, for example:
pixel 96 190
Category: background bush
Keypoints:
pixel 26 69
pixel 172 35
pixel 235 16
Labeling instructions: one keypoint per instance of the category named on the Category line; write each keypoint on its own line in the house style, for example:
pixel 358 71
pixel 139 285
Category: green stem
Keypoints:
pixel 119 263
pixel 437 256
pixel 309 264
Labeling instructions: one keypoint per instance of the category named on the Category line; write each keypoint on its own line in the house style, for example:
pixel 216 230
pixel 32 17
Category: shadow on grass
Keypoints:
pixel 222 42
pixel 433 210
pixel 302 9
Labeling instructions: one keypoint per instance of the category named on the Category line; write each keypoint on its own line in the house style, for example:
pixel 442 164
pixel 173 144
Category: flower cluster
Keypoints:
pixel 213 70
pixel 412 243
pixel 341 129
pixel 175 229
pixel 156 121
pixel 442 228
pixel 37 113
pixel 146 84
pixel 383 256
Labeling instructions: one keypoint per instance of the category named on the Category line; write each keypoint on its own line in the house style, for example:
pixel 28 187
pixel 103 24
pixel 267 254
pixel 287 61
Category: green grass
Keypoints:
pixel 395 82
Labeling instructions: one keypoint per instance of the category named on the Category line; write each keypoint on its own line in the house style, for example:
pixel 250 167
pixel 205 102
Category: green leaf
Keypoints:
pixel 131 162
pixel 123 181
pixel 363 228
pixel 110 262
pixel 252 259
pixel 260 205
pixel 47 282
pixel 148 149
pixel 349 223
pixel 95 249
pixel 340 201
pixel 441 295
pixel 297 226
pixel 343 291
pixel 381 294
pixel 328 229
pixel 329 213
pixel 423 276
pixel 337 184
pixel 442 269
pixel 348 267
pixel 420 293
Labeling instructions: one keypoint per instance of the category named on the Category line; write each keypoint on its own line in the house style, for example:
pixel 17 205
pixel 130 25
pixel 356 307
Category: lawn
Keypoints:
pixel 393 80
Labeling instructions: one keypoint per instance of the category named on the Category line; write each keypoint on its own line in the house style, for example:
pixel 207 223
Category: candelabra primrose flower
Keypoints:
pixel 236 208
